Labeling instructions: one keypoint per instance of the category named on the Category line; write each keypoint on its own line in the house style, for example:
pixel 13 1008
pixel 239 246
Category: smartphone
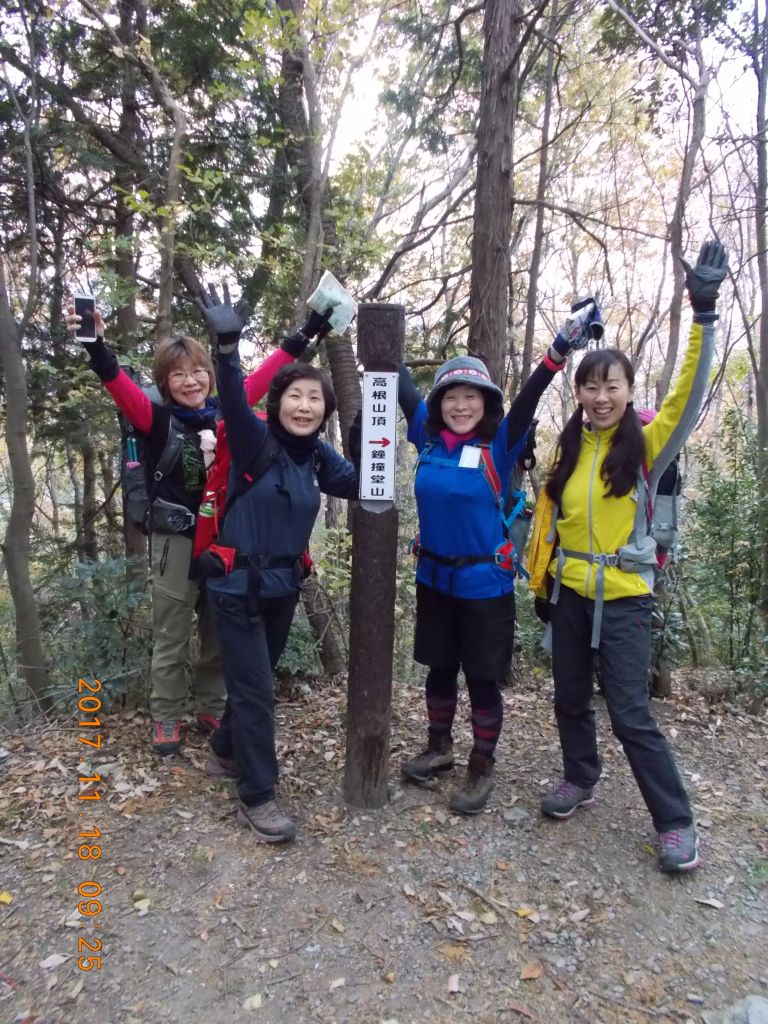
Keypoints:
pixel 85 308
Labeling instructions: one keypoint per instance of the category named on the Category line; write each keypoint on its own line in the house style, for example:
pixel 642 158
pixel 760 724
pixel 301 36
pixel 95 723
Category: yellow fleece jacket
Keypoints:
pixel 593 522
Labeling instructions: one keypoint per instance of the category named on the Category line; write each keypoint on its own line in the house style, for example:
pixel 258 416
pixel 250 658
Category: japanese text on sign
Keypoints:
pixel 377 460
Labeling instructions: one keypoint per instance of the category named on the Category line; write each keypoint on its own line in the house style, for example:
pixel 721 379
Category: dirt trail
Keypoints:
pixel 402 915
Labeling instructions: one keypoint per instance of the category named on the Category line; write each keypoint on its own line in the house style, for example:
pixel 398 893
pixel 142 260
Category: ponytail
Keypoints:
pixel 625 456
pixel 567 455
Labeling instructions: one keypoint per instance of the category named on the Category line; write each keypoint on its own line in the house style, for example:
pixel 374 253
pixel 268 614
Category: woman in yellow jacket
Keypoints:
pixel 602 483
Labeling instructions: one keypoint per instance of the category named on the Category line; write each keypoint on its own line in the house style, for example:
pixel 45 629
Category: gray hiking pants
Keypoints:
pixel 176 600
pixel 624 652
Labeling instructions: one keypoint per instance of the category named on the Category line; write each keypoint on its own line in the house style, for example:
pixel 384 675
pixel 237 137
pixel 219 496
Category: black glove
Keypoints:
pixel 224 321
pixel 355 440
pixel 703 281
pixel 102 359
pixel 317 324
pixel 541 607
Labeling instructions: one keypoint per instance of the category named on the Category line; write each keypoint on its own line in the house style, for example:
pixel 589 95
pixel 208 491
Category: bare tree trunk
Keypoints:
pixel 760 66
pixel 77 499
pixel 698 125
pixel 90 544
pixel 315 603
pixel 541 191
pixel 699 640
pixel 53 494
pixel 109 486
pixel 346 383
pixel 489 288
pixel 16 543
pixel 124 261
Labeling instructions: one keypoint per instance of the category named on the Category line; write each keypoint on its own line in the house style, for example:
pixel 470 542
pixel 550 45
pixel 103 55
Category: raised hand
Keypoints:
pixel 583 325
pixel 317 325
pixel 703 281
pixel 73 321
pixel 224 321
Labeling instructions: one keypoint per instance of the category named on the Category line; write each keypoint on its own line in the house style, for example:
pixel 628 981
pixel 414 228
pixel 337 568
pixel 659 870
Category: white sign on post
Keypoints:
pixel 378 437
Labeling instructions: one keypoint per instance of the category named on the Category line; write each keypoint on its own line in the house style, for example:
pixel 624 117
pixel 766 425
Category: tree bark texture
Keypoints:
pixel 342 361
pixel 698 125
pixel 16 543
pixel 124 263
pixel 760 66
pixel 315 602
pixel 541 191
pixel 494 193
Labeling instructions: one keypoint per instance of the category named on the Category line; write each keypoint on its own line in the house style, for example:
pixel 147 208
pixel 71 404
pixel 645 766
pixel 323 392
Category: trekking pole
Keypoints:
pixel 380 339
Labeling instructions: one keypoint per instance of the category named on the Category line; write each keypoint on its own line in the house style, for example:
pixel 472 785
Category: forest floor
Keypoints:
pixel 397 916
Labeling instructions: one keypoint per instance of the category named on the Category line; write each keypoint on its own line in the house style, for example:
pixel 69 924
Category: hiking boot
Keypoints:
pixel 565 798
pixel 268 822
pixel 220 767
pixel 678 849
pixel 205 724
pixel 438 757
pixel 472 796
pixel 166 738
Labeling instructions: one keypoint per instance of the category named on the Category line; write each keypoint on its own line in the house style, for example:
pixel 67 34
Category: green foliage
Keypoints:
pixel 722 560
pixel 671 24
pixel 301 656
pixel 96 623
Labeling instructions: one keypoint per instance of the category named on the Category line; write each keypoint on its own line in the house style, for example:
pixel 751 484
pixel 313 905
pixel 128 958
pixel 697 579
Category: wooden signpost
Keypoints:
pixel 380 338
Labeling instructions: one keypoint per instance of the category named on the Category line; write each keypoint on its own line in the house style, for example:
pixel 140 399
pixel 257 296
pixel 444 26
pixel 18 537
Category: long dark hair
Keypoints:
pixel 627 450
pixel 289 375
pixel 493 412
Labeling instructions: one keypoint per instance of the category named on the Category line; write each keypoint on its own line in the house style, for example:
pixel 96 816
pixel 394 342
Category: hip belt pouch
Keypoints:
pixel 638 557
pixel 169 518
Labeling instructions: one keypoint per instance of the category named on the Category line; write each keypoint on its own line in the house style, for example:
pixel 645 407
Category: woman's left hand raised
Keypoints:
pixel 225 321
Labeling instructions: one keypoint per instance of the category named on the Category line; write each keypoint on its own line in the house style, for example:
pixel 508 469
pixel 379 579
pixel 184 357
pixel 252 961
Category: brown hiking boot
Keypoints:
pixel 472 796
pixel 267 822
pixel 220 767
pixel 438 757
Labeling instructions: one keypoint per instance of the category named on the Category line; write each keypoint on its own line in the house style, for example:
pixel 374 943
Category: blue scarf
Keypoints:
pixel 198 419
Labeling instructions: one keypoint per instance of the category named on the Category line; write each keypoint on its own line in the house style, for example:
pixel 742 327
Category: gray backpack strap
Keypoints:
pixel 639 553
pixel 601 561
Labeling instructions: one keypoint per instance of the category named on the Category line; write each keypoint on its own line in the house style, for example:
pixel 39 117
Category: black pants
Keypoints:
pixel 249 651
pixel 624 655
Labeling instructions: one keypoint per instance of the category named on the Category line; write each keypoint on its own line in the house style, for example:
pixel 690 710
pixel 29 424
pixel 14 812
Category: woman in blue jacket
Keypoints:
pixel 268 526
pixel 465 601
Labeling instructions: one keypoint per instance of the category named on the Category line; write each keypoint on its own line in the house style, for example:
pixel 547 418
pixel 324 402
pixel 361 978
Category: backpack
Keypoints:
pixel 135 485
pixel 515 515
pixel 665 523
pixel 645 552
pixel 208 557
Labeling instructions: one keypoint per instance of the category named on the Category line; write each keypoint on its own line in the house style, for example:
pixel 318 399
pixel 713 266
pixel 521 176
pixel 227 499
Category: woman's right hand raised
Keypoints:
pixel 73 321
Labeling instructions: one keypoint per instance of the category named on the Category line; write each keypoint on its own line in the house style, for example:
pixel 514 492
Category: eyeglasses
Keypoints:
pixel 179 376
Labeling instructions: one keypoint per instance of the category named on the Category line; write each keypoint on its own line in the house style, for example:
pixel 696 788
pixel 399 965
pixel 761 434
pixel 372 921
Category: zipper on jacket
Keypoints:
pixel 589 511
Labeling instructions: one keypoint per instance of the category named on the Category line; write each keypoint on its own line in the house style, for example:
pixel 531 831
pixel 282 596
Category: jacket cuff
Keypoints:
pixel 294 344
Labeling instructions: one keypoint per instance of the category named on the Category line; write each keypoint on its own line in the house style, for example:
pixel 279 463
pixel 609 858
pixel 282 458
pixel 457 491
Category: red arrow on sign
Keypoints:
pixel 382 443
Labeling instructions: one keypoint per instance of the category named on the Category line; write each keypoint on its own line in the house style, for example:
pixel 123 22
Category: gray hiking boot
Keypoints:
pixel 472 796
pixel 438 757
pixel 565 798
pixel 678 849
pixel 267 822
pixel 220 767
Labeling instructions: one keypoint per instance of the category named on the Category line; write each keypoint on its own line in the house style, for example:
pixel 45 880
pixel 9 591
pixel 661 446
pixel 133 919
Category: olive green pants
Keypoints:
pixel 176 601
